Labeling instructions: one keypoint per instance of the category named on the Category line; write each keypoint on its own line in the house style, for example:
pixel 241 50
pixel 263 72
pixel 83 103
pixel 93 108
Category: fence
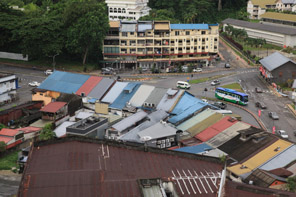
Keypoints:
pixel 13 56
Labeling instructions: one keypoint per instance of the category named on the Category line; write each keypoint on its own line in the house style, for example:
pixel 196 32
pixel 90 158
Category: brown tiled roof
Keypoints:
pixel 282 172
pixel 53 107
pixel 84 167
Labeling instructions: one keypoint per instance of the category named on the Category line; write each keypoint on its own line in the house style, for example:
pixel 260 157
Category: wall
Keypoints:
pixel 287 71
pixel 41 96
pixel 13 56
pixel 101 108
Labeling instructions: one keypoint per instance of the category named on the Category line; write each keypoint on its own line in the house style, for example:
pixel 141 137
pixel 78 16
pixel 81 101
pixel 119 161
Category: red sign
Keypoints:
pixel 273 129
pixel 259 112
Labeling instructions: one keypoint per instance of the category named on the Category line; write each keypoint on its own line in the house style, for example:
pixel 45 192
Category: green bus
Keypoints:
pixel 231 96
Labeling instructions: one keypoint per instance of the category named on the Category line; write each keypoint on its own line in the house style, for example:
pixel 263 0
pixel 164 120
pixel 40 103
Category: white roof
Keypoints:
pixel 129 121
pixel 61 130
pixel 82 115
pixel 141 95
pixel 114 92
pixel 158 130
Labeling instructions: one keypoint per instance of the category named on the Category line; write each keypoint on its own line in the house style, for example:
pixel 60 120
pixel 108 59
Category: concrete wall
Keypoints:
pixel 288 71
pixel 101 108
pixel 13 56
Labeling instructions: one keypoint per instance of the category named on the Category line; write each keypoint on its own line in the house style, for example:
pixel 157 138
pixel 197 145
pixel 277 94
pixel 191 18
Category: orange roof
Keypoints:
pixel 5 139
pixel 53 107
pixel 29 129
pixel 114 23
pixel 8 132
pixel 87 87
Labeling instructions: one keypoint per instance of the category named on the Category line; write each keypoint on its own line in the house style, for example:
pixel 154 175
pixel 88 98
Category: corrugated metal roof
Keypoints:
pixel 60 131
pixel 227 134
pixel 144 27
pixel 274 61
pixel 166 103
pixel 156 96
pixel 195 149
pixel 87 87
pixel 129 121
pixel 161 26
pixel 8 132
pixel 260 158
pixel 189 26
pixel 84 114
pixel 289 1
pixel 64 82
pixel 186 106
pixel 29 129
pixel 125 96
pixel 281 160
pixel 154 117
pixel 215 129
pixel 53 107
pixel 6 139
pixel 114 92
pixel 141 95
pixel 101 88
pixel 128 27
pixel 158 130
pixel 197 128
pixel 195 119
pixel 279 16
pixel 100 168
pixel 262 27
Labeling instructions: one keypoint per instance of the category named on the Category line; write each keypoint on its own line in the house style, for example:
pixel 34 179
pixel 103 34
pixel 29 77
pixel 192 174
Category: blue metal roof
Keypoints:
pixel 64 82
pixel 195 149
pixel 125 96
pixel 189 26
pixel 187 106
pixel 144 27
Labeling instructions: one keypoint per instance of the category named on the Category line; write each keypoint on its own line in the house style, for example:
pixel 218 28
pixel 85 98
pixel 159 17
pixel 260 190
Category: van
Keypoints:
pixel 183 84
pixel 227 65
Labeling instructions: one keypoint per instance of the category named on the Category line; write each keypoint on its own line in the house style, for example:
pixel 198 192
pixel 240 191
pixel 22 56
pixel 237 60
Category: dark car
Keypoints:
pixel 260 105
pixel 258 90
pixel 220 105
pixel 273 115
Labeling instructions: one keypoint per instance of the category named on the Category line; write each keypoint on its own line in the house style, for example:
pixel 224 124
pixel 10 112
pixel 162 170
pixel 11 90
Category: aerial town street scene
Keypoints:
pixel 151 98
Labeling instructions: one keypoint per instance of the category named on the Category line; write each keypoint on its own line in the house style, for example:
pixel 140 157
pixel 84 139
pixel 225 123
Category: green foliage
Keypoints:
pixel 2 126
pixel 47 133
pixel 2 146
pixel 223 158
pixel 162 14
pixel 291 184
pixel 8 161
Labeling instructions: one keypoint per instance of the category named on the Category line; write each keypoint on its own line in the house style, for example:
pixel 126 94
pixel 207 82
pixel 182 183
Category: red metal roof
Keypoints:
pixel 29 129
pixel 100 168
pixel 5 139
pixel 53 107
pixel 215 129
pixel 8 132
pixel 87 87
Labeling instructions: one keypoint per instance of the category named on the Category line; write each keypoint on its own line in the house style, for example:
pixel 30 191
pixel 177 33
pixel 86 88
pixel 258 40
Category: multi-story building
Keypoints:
pixel 258 7
pixel 8 86
pixel 132 44
pixel 286 5
pixel 127 9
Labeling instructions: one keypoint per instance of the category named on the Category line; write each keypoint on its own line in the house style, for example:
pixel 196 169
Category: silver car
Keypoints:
pixel 273 115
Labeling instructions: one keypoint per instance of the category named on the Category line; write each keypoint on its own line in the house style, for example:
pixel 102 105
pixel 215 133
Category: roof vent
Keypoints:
pixel 251 182
pixel 232 119
pixel 277 149
pixel 82 94
pixel 243 167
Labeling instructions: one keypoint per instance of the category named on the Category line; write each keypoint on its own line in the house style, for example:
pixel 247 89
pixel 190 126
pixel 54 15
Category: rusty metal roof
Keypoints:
pixel 53 107
pixel 85 167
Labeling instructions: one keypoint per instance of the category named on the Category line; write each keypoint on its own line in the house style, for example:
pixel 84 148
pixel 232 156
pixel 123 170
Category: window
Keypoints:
pixel 124 34
pixel 187 33
pixel 203 32
pixel 207 39
pixel 119 10
pixel 132 33
pixel 115 10
pixel 177 33
pixel 280 74
pixel 111 10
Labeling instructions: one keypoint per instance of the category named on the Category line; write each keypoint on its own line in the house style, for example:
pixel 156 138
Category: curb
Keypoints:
pixel 291 109
pixel 270 87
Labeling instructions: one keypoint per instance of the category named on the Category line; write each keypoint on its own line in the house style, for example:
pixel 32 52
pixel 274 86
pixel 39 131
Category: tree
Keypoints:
pixel 87 26
pixel 2 126
pixel 291 184
pixel 41 36
pixel 2 146
pixel 47 133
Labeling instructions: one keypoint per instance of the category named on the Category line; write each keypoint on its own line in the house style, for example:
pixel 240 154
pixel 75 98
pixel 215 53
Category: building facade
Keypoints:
pixel 133 44
pixel 8 86
pixel 286 5
pixel 127 9
pixel 258 7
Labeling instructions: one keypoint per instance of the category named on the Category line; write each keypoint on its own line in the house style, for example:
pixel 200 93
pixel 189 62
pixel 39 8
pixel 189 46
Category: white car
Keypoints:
pixel 283 134
pixel 205 100
pixel 215 82
pixel 34 84
pixel 196 70
pixel 48 72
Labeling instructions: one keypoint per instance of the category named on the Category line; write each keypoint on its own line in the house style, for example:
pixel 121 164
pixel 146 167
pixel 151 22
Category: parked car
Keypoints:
pixel 205 100
pixel 48 72
pixel 260 105
pixel 196 70
pixel 215 82
pixel 273 115
pixel 34 84
pixel 107 72
pixel 221 105
pixel 258 90
pixel 227 65
pixel 283 134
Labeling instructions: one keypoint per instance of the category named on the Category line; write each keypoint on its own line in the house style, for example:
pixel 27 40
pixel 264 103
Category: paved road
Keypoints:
pixel 9 185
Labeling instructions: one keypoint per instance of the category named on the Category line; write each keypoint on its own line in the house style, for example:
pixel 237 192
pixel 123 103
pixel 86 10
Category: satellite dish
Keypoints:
pixel 145 138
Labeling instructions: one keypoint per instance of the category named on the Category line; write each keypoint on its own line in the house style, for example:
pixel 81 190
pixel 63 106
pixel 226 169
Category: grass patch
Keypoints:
pixel 61 64
pixel 234 86
pixel 8 161
pixel 254 20
pixel 201 80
